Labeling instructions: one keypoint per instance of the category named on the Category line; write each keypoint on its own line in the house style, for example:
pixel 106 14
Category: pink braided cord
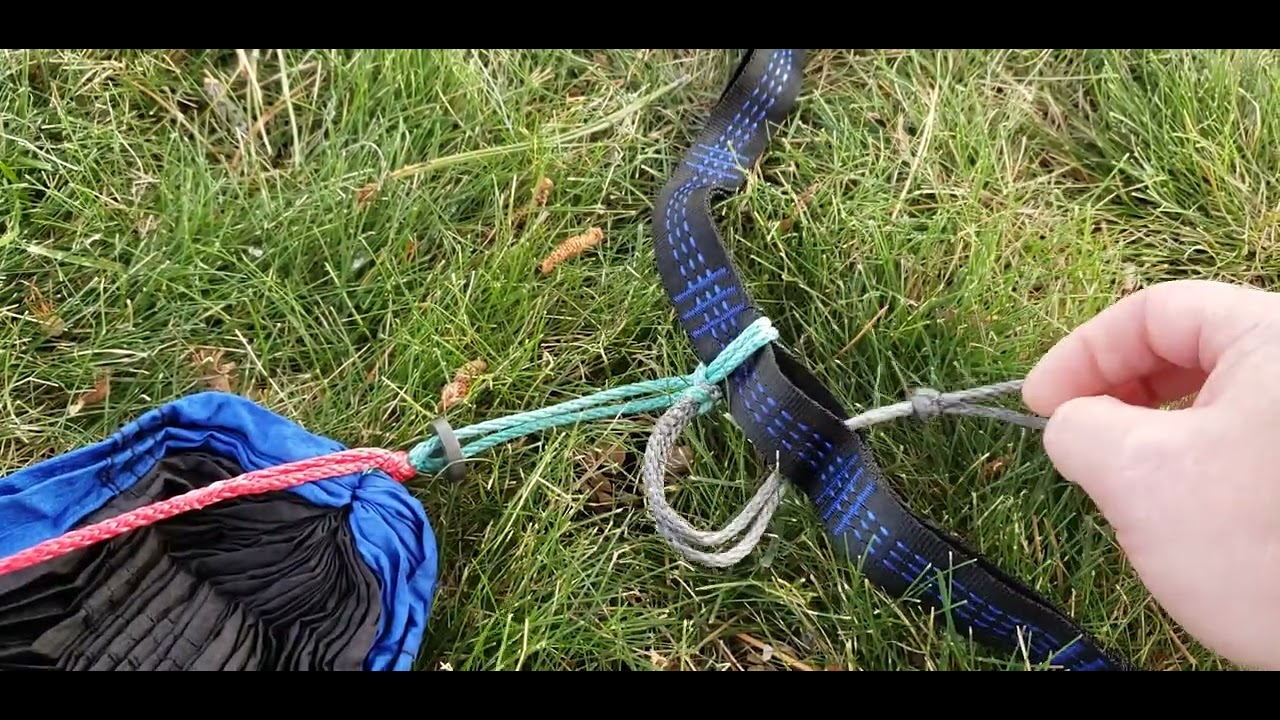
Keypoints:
pixel 279 477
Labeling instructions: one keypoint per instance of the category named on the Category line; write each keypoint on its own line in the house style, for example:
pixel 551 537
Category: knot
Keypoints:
pixel 702 390
pixel 422 456
pixel 756 335
pixel 703 382
pixel 926 404
pixel 397 465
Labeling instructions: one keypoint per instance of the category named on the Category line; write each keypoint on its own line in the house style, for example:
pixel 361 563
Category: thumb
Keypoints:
pixel 1107 447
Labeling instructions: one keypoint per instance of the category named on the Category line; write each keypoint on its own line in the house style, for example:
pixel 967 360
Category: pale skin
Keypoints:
pixel 1193 494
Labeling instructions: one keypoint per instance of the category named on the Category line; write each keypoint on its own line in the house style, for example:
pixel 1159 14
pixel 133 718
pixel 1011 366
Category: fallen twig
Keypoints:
pixel 865 329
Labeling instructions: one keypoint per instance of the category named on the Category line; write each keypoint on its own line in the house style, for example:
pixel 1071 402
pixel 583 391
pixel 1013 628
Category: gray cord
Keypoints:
pixel 923 404
pixel 753 518
pixel 926 404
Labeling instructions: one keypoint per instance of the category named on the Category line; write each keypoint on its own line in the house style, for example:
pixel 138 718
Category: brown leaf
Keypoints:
pixel 215 374
pixel 658 661
pixel 993 467
pixel 680 461
pixel 100 392
pixel 367 194
pixel 43 311
pixel 458 390
pixel 599 488
pixel 610 458
pixel 600 465
pixel 602 494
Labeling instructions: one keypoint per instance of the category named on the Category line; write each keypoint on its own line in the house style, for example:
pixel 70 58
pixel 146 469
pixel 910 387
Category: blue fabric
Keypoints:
pixel 391 529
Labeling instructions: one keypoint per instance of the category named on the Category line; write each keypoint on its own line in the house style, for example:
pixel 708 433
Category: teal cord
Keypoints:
pixel 651 396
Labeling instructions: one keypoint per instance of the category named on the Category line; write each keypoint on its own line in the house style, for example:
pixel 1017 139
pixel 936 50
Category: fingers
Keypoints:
pixel 1185 325
pixel 1098 443
pixel 1163 386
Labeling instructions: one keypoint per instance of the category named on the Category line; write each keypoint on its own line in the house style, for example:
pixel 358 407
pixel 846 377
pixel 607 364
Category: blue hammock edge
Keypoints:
pixel 391 529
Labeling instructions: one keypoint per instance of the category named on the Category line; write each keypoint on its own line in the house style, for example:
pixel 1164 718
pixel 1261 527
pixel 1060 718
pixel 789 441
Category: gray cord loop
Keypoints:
pixel 923 404
pixel 753 519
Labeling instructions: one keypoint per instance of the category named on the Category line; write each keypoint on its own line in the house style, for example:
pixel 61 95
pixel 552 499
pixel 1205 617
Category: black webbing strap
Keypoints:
pixel 787 413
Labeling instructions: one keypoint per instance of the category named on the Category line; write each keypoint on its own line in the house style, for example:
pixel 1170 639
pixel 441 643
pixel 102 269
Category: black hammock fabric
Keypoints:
pixel 266 582
pixel 788 415
pixel 334 574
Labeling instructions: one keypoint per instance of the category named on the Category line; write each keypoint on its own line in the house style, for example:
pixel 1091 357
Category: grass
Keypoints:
pixel 962 211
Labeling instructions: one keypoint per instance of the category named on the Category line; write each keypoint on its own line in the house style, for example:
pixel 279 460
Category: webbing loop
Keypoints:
pixel 796 424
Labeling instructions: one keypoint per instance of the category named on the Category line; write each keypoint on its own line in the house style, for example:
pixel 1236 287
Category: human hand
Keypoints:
pixel 1194 493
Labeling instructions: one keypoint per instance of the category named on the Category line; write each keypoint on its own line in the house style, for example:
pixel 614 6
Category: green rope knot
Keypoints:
pixel 702 389
pixel 757 335
pixel 642 397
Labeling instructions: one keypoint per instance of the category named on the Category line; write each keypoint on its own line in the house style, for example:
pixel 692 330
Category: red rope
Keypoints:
pixel 279 477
